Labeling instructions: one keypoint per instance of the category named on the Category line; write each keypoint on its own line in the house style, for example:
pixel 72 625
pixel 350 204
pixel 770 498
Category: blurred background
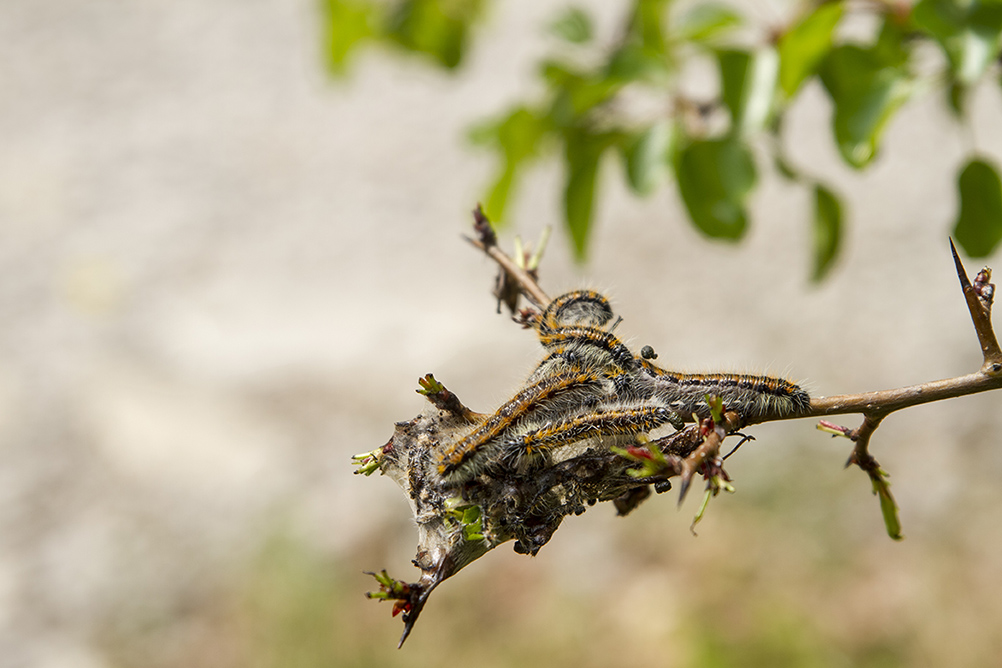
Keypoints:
pixel 223 271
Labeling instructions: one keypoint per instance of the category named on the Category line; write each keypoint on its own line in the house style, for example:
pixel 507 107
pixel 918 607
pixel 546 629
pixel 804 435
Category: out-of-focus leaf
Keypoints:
pixel 583 153
pixel 438 28
pixel 805 44
pixel 517 137
pixel 631 62
pixel 348 23
pixel 785 168
pixel 646 27
pixel 574 25
pixel 575 93
pixel 748 83
pixel 649 156
pixel 866 92
pixel 979 226
pixel 956 98
pixel 714 178
pixel 892 47
pixel 705 21
pixel 969 33
pixel 827 230
pixel 500 194
pixel 520 132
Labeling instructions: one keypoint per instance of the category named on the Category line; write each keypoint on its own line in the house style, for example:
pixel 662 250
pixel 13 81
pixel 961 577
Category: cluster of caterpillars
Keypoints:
pixel 591 386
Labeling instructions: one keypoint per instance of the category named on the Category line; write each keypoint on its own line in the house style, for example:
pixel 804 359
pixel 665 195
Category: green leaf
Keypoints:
pixel 583 153
pixel 348 23
pixel 866 93
pixel 632 62
pixel 574 25
pixel 517 137
pixel 714 178
pixel 805 45
pixel 956 98
pixel 748 83
pixel 979 226
pixel 892 47
pixel 519 134
pixel 785 167
pixel 705 21
pixel 968 32
pixel 827 230
pixel 575 93
pixel 888 507
pixel 438 28
pixel 646 25
pixel 649 156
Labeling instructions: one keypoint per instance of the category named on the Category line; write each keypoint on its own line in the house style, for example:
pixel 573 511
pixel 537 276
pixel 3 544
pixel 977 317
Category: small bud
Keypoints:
pixel 834 429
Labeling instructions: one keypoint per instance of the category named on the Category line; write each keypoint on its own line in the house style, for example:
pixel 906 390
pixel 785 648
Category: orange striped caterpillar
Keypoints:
pixel 591 385
pixel 570 327
pixel 751 396
pixel 596 347
pixel 581 307
pixel 526 444
pixel 549 396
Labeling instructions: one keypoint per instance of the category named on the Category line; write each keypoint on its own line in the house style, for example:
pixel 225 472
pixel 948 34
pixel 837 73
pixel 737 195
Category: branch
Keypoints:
pixel 512 272
pixel 475 482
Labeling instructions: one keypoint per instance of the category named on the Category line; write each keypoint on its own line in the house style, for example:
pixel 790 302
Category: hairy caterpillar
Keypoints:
pixel 597 347
pixel 581 307
pixel 527 443
pixel 751 396
pixel 591 385
pixel 549 396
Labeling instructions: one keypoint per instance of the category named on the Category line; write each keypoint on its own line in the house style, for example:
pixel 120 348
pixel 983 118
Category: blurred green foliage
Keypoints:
pixel 979 225
pixel 708 146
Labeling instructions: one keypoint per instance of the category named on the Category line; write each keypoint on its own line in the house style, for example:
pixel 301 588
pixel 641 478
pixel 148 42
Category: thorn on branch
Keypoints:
pixel 705 455
pixel 979 297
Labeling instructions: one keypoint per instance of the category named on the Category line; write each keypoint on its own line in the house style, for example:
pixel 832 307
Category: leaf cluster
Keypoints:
pixel 628 96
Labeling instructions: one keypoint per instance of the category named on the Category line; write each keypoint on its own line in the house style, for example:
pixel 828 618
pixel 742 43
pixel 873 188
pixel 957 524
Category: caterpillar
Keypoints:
pixel 581 307
pixel 551 395
pixel 570 327
pixel 751 396
pixel 596 347
pixel 528 443
pixel 591 385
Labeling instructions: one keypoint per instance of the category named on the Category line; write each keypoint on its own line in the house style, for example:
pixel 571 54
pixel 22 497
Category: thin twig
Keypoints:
pixel 883 402
pixel 488 243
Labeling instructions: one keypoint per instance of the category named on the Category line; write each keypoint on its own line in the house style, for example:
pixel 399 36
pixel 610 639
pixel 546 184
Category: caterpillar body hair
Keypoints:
pixel 580 307
pixel 596 347
pixel 529 443
pixel 552 395
pixel 751 396
pixel 591 386
pixel 563 359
